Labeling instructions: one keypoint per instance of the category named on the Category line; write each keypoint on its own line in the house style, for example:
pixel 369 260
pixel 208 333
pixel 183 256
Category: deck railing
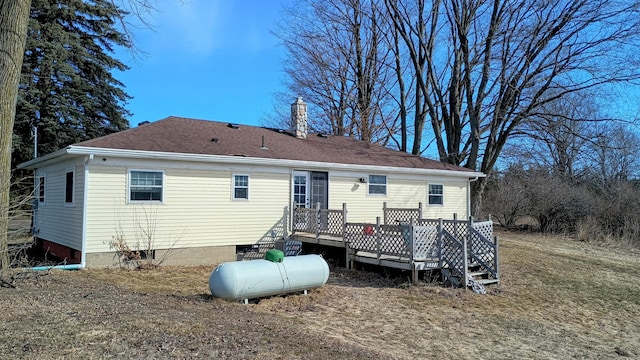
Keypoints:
pixel 378 239
pixel 453 256
pixel 397 216
pixel 405 235
pixel 484 251
pixel 320 221
pixel 407 240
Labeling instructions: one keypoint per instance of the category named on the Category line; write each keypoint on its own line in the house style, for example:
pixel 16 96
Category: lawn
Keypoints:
pixel 558 299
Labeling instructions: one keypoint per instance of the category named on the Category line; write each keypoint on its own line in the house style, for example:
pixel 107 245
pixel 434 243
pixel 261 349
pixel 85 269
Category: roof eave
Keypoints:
pixel 33 163
pixel 230 159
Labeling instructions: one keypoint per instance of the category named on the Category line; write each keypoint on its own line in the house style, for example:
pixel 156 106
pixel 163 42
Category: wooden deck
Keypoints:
pixel 368 257
pixel 463 249
pixel 326 240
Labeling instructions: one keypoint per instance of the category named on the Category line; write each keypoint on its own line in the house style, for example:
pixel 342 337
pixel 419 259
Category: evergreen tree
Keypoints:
pixel 67 89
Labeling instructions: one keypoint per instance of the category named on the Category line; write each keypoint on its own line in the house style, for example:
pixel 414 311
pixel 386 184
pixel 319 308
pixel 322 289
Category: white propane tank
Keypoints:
pixel 257 278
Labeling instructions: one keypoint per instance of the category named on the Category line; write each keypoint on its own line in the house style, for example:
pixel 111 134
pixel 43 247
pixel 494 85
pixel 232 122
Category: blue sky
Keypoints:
pixel 207 59
pixel 217 60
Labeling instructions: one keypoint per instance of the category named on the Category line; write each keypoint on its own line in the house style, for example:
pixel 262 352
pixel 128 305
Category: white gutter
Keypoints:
pixel 231 159
pixel 83 257
pixel 469 195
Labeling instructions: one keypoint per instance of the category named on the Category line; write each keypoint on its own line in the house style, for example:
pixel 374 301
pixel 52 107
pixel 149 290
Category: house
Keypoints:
pixel 203 190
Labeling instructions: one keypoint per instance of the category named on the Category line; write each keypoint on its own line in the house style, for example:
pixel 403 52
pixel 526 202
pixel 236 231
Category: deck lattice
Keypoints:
pixel 404 241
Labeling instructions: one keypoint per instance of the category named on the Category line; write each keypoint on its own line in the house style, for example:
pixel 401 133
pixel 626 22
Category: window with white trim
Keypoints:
pixel 40 189
pixel 240 187
pixel 377 185
pixel 69 187
pixel 436 194
pixel 145 185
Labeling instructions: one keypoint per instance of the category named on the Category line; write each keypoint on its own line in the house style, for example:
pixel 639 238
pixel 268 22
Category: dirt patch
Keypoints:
pixel 557 299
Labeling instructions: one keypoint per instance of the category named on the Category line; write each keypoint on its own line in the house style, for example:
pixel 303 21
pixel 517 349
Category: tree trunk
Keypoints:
pixel 14 19
pixel 477 192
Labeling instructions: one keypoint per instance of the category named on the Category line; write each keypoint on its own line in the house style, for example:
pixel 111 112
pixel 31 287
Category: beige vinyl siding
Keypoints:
pixel 363 207
pixel 401 193
pixel 197 209
pixel 55 220
pixel 454 200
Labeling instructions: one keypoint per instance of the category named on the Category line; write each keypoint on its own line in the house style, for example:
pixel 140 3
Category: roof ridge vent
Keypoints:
pixel 233 126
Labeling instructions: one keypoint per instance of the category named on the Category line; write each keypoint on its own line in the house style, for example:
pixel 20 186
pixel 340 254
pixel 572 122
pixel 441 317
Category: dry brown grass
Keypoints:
pixel 558 299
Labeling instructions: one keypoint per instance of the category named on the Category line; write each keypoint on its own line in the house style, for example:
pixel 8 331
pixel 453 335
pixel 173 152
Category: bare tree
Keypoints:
pixel 336 60
pixel 614 152
pixel 556 136
pixel 14 19
pixel 485 67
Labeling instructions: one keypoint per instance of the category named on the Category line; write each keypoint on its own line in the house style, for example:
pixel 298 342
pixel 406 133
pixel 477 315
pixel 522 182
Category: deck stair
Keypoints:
pixel 469 251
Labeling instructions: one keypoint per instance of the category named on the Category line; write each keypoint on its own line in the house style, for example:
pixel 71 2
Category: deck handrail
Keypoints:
pixel 484 252
pixel 394 216
pixel 319 221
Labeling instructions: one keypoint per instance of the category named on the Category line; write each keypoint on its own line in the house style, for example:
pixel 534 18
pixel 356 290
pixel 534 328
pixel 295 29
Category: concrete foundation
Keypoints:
pixel 209 255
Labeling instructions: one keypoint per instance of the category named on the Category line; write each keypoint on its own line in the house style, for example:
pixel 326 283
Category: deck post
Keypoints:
pixel 465 263
pixel 455 225
pixel 318 222
pixel 344 218
pixel 497 260
pixel 412 247
pixel 412 251
pixel 384 211
pixel 414 274
pixel 378 239
pixel 420 212
pixel 344 215
pixel 469 227
pixel 440 242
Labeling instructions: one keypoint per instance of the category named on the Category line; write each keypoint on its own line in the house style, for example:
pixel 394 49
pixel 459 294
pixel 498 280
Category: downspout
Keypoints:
pixel 84 228
pixel 469 195
pixel 291 210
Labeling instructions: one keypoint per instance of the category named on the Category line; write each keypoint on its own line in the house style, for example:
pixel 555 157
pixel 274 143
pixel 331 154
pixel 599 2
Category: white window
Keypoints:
pixel 40 189
pixel 145 185
pixel 436 194
pixel 240 187
pixel 69 187
pixel 377 185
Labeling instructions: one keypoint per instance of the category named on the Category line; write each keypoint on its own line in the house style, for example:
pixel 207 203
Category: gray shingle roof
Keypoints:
pixel 191 136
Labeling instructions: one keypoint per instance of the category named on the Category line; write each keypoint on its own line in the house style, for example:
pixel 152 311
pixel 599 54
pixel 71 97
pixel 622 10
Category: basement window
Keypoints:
pixel 145 185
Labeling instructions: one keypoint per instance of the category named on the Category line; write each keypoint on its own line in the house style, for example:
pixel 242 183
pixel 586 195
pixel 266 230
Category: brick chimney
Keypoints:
pixel 299 119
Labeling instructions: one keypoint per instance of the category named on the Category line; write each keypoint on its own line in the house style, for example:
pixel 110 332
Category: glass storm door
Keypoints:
pixel 301 189
pixel 301 200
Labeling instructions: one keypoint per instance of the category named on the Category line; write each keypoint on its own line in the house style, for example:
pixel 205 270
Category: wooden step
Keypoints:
pixel 477 273
pixel 487 281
